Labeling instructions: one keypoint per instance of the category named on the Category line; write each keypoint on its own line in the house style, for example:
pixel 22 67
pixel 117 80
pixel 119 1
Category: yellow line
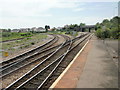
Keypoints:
pixel 55 83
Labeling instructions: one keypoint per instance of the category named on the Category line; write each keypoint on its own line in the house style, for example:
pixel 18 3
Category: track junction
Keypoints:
pixel 40 67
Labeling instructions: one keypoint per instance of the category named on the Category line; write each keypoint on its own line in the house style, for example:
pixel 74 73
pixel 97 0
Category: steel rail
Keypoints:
pixel 26 60
pixel 32 81
pixel 25 65
pixel 43 62
pixel 48 67
pixel 4 69
pixel 19 59
pixel 46 78
pixel 26 74
pixel 36 80
pixel 43 83
pixel 8 65
pixel 22 63
pixel 47 44
pixel 60 64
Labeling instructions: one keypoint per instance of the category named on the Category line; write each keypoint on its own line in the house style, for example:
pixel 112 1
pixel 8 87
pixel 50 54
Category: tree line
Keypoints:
pixel 72 27
pixel 109 28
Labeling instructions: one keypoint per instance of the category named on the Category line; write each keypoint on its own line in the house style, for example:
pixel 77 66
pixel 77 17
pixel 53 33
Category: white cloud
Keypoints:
pixel 21 22
pixel 28 12
pixel 26 8
pixel 88 20
pixel 79 9
pixel 36 7
pixel 19 12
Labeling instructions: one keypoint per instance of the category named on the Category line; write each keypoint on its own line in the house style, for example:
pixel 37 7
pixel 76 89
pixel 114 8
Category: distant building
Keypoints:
pixel 15 30
pixel 23 29
pixel 33 29
pixel 66 26
pixel 49 29
pixel 1 30
pixel 59 28
pixel 40 29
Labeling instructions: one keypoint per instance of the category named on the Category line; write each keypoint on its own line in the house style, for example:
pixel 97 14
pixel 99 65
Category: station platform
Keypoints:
pixel 92 67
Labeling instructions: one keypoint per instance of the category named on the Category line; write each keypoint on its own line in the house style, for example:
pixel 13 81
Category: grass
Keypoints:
pixel 14 35
pixel 56 32
pixel 17 45
pixel 63 32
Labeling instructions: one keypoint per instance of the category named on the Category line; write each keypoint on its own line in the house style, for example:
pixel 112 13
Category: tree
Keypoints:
pixel 28 29
pixel 98 25
pixel 112 28
pixel 47 27
pixel 9 30
pixel 105 21
pixel 82 24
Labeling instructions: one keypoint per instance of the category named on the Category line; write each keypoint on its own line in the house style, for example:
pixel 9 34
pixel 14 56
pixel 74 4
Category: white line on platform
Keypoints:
pixel 58 79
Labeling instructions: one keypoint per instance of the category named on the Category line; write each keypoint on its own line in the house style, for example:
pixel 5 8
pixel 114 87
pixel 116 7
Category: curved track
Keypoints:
pixel 22 66
pixel 24 55
pixel 38 75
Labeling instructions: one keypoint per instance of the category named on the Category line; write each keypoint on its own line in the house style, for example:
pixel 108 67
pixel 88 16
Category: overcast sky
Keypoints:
pixel 36 13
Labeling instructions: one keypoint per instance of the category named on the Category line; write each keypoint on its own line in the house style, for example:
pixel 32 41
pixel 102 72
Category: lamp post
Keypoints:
pixel 115 11
pixel 119 8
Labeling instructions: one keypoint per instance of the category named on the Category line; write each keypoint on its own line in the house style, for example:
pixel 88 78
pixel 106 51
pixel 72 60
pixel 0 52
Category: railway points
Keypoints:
pixel 18 72
pixel 43 67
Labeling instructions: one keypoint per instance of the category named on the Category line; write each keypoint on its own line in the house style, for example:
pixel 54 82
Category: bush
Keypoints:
pixel 106 34
pixel 115 33
pixel 26 46
pixel 26 34
pixel 29 38
pixel 98 33
pixel 32 43
pixel 6 34
pixel 103 34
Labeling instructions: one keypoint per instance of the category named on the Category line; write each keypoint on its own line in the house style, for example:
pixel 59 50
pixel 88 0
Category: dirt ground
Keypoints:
pixel 27 49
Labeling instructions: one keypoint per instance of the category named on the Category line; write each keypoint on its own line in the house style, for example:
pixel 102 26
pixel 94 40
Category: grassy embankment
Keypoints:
pixel 16 46
pixel 14 35
pixel 63 32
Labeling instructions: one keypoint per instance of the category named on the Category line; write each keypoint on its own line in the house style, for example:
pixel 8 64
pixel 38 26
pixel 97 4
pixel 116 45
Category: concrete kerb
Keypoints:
pixel 63 73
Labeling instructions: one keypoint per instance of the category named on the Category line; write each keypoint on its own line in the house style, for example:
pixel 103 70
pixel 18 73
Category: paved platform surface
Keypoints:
pixel 93 68
pixel 113 50
pixel 100 70
pixel 113 44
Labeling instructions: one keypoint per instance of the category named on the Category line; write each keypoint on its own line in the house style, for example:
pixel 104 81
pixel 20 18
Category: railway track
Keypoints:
pixel 38 81
pixel 10 62
pixel 11 40
pixel 22 56
pixel 5 68
pixel 41 67
pixel 26 64
pixel 30 59
pixel 65 62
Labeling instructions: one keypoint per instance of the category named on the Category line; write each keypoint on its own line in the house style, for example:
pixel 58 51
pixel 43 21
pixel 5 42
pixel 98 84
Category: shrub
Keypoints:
pixel 6 34
pixel 115 33
pixel 21 47
pixel 32 43
pixel 107 34
pixel 98 33
pixel 103 34
pixel 26 46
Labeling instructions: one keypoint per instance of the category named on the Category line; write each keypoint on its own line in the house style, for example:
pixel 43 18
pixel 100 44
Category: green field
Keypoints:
pixel 14 35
